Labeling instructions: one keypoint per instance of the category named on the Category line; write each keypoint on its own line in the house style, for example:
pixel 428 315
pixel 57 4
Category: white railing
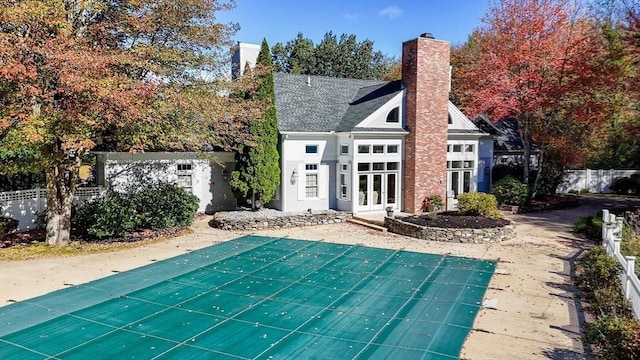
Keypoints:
pixel 23 205
pixel 611 238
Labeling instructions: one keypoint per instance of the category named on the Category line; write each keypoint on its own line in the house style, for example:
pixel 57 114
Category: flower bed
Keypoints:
pixel 501 230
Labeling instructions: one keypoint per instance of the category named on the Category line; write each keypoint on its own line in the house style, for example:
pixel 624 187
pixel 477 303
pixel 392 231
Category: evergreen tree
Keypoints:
pixel 344 57
pixel 257 173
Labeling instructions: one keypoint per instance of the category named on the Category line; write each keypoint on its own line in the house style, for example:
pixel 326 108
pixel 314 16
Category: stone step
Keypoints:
pixel 366 223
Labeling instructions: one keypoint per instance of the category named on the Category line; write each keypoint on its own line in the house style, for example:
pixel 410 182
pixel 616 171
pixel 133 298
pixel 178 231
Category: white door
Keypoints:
pixel 459 181
pixel 375 191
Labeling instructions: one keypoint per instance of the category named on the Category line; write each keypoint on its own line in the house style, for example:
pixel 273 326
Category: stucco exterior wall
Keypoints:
pixel 210 184
pixel 294 160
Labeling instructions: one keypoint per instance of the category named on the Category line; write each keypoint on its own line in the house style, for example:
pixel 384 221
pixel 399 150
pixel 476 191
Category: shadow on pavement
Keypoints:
pixel 563 220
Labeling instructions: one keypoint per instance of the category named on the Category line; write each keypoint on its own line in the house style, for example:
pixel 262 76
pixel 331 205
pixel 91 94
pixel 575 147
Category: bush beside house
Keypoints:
pixel 156 207
pixel 510 191
pixel 481 204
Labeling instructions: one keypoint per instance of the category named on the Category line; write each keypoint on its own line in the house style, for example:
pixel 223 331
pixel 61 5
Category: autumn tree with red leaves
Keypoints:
pixel 119 74
pixel 531 62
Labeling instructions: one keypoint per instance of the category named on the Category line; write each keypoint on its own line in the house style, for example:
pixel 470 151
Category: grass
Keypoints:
pixel 40 250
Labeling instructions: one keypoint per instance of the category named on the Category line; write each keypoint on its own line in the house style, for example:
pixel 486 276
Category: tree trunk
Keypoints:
pixel 62 174
pixel 536 183
pixel 526 147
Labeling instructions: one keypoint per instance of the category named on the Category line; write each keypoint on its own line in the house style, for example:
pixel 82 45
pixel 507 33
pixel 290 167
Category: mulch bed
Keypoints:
pixel 452 219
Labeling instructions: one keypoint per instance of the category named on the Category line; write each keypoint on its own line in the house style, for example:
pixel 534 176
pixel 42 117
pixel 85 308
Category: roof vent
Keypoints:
pixel 427 36
pixel 308 80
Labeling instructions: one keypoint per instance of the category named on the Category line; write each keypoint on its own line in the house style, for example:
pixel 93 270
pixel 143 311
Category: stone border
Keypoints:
pixel 225 221
pixel 463 235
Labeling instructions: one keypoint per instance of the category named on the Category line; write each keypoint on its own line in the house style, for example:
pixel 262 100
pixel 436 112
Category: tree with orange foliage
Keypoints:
pixel 532 62
pixel 120 74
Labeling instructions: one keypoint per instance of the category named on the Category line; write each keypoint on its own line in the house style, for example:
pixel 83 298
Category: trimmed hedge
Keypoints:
pixel 478 204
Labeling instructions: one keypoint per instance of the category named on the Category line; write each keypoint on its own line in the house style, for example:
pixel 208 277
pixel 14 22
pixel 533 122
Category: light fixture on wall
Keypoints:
pixel 225 175
pixel 294 176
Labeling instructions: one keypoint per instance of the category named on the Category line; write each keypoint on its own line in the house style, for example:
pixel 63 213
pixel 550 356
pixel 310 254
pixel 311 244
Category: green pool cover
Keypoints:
pixel 259 298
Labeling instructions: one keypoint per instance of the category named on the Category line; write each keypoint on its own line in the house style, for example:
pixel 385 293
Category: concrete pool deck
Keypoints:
pixel 531 309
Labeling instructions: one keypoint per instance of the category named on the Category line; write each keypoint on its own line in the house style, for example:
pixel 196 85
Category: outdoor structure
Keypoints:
pixel 507 144
pixel 363 145
pixel 192 171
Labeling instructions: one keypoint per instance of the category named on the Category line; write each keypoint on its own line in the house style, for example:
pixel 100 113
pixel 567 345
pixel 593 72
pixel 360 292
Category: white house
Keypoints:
pixel 346 144
pixel 363 145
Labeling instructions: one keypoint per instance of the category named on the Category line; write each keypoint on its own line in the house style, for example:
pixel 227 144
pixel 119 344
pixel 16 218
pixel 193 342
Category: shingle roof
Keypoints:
pixel 505 134
pixel 322 104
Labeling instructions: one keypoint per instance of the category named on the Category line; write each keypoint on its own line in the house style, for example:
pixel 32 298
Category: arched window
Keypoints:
pixel 394 115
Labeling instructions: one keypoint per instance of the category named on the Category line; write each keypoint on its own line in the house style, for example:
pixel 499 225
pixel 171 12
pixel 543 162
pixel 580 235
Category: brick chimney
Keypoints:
pixel 425 73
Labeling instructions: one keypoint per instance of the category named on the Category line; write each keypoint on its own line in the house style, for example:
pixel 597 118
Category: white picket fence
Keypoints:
pixel 611 236
pixel 23 205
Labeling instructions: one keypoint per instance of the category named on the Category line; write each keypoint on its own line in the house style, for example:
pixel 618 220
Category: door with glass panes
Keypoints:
pixel 377 188
pixel 459 181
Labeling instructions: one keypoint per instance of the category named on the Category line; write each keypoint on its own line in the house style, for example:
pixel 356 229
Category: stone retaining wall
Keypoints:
pixel 225 222
pixel 476 236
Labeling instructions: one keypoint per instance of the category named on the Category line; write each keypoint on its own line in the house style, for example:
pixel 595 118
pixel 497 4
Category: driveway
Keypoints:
pixel 531 310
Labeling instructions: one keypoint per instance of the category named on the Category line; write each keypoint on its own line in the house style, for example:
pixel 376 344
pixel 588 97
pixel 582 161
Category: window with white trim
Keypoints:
pixel 392 149
pixel 311 181
pixel 343 182
pixel 185 177
pixel 344 149
pixel 363 149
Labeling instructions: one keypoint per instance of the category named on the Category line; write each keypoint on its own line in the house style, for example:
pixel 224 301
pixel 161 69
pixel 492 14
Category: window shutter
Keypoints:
pixel 323 181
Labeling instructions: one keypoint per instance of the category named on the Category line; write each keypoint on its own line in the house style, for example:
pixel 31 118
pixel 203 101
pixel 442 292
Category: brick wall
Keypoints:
pixel 425 72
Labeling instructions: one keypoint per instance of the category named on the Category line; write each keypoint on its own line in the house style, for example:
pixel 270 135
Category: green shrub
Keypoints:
pixel 590 227
pixel 156 207
pixel 164 205
pixel 598 279
pixel 500 171
pixel 510 191
pixel 615 337
pixel 7 226
pixel 109 217
pixel 626 185
pixel 478 204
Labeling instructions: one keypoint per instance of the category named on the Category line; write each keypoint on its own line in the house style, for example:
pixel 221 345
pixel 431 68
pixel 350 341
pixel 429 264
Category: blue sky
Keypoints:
pixel 386 23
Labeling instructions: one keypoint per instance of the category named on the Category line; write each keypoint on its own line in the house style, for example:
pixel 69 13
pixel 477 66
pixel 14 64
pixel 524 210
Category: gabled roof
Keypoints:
pixel 505 134
pixel 366 101
pixel 460 123
pixel 322 104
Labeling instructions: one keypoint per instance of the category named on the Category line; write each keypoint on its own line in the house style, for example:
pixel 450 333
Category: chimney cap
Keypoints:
pixel 427 35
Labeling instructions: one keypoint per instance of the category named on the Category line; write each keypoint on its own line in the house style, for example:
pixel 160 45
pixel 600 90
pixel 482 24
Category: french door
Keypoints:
pixel 377 190
pixel 459 181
